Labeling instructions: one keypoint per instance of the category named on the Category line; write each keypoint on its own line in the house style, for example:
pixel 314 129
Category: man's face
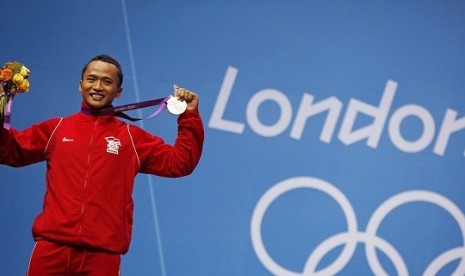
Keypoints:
pixel 99 84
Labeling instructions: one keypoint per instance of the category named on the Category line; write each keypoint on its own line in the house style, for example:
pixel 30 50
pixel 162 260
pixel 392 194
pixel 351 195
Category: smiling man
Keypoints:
pixel 92 159
pixel 101 82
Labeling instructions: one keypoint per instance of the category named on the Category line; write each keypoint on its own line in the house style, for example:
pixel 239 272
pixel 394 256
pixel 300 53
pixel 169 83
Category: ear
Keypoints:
pixel 80 86
pixel 120 91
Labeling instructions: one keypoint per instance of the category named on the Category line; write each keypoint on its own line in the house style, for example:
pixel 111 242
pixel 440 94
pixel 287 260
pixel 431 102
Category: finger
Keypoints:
pixel 179 91
pixel 183 94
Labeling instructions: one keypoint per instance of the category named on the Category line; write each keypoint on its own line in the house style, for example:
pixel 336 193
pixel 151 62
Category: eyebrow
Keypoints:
pixel 103 77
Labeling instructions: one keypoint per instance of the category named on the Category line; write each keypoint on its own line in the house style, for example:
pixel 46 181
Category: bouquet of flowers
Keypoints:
pixel 14 78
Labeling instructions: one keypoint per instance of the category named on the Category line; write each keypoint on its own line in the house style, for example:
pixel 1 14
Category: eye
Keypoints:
pixel 107 82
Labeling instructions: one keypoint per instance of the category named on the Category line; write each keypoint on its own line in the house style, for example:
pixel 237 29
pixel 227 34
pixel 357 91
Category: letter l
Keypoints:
pixel 216 120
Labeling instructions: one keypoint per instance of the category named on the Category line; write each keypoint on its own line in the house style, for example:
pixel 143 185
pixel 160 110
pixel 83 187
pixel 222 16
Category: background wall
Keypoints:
pixel 334 131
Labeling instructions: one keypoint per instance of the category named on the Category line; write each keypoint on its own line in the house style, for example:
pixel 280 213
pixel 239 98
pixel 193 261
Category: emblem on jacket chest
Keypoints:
pixel 113 144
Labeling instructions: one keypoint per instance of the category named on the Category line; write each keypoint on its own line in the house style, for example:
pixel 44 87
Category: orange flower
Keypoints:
pixel 6 74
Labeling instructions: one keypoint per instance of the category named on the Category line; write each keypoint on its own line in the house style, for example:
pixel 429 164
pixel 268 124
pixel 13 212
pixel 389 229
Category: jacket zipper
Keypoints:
pixel 89 153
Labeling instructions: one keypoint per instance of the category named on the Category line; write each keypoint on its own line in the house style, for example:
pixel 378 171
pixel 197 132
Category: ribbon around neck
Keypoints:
pixel 118 110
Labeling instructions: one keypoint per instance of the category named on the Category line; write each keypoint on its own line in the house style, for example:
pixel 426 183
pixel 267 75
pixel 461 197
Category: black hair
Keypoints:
pixel 108 59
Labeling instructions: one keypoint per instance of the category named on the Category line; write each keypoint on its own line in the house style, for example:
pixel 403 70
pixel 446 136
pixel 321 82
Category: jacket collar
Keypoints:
pixel 101 113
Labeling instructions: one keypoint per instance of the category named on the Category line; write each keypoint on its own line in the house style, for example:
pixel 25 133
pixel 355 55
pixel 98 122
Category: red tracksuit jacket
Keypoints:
pixel 91 165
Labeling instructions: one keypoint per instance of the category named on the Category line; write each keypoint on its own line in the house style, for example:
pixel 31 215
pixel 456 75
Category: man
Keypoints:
pixel 92 159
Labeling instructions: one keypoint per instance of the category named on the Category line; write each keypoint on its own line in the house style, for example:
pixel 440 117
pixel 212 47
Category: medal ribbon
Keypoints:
pixel 7 114
pixel 118 110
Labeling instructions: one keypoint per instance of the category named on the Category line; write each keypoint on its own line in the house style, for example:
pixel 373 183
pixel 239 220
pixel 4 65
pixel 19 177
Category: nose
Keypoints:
pixel 98 86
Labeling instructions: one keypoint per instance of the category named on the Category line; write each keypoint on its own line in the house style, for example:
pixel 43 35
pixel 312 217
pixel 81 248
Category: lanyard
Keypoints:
pixel 118 110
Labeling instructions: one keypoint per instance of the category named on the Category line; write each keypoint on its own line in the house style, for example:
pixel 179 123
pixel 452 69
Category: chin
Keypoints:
pixel 94 105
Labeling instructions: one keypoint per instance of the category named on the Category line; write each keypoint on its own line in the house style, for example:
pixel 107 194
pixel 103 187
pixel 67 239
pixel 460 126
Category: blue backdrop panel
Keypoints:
pixel 335 131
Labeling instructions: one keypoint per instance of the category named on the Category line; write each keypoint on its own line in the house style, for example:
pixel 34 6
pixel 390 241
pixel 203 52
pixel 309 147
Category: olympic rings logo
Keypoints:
pixel 352 236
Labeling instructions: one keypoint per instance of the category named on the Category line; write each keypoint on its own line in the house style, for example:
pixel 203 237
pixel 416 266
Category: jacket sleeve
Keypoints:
pixel 21 148
pixel 180 159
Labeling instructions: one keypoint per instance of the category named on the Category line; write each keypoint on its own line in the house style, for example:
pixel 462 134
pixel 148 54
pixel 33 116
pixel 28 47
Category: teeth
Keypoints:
pixel 96 96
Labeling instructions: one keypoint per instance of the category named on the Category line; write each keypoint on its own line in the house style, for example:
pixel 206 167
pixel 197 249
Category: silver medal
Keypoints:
pixel 176 106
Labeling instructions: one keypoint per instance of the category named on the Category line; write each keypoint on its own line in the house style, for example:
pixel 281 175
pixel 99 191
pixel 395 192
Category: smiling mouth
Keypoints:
pixel 96 96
